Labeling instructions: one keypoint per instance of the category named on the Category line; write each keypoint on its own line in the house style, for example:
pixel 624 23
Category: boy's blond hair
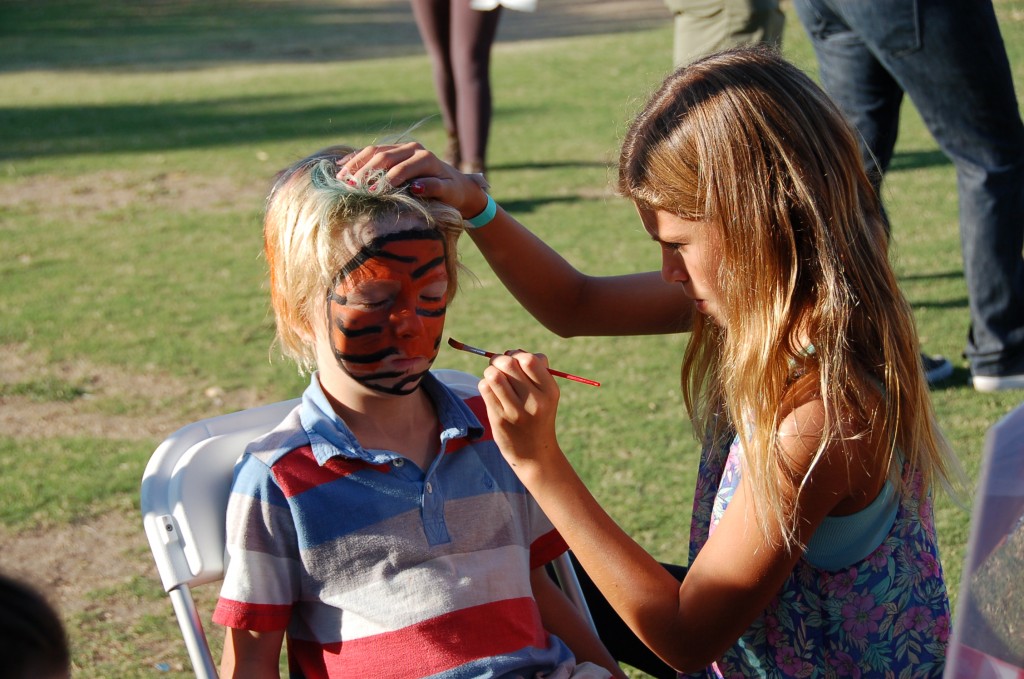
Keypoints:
pixel 315 223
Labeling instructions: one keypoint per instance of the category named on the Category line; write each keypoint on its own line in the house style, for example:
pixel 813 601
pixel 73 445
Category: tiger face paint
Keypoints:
pixel 386 310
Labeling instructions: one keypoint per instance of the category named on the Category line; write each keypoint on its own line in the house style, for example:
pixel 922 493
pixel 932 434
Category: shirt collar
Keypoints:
pixel 330 436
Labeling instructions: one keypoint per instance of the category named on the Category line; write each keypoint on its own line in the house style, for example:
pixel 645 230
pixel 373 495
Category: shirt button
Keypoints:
pixel 430 489
pixel 398 462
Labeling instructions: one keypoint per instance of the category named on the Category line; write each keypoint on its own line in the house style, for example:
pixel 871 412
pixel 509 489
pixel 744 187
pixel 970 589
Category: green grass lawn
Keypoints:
pixel 137 141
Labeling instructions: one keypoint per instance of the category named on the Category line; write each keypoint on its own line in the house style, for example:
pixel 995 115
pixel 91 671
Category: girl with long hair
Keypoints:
pixel 812 546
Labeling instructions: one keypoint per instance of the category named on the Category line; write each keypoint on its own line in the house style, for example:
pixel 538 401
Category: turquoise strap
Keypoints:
pixel 842 541
pixel 485 217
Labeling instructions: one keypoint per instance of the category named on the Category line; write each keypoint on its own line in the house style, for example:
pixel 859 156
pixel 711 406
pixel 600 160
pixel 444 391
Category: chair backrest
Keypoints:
pixel 184 499
pixel 185 491
pixel 988 629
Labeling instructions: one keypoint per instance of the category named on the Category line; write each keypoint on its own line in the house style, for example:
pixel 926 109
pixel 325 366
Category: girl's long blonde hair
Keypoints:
pixel 747 142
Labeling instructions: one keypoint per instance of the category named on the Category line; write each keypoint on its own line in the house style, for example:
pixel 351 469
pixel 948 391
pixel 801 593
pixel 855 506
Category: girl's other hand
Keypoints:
pixel 522 400
pixel 426 174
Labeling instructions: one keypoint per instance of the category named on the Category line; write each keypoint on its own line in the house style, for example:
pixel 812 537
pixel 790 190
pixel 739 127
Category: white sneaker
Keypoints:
pixel 989 383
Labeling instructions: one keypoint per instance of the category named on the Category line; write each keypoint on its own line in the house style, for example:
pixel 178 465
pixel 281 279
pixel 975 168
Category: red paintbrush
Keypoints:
pixel 456 344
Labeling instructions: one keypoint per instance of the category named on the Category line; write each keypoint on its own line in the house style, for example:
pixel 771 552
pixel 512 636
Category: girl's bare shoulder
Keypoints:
pixel 831 446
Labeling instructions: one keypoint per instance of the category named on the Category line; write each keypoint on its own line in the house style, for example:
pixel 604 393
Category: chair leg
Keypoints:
pixel 570 585
pixel 192 631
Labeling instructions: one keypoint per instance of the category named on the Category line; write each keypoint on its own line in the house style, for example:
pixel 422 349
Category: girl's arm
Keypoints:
pixel 565 300
pixel 561 618
pixel 734 577
pixel 251 654
pixel 571 303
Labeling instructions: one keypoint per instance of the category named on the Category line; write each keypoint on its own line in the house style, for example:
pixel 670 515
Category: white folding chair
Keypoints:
pixel 987 640
pixel 184 500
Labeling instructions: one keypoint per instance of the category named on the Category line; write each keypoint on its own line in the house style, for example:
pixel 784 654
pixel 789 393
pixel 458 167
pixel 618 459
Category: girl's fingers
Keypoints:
pixel 426 175
pixel 378 157
pixel 533 366
pixel 522 381
pixel 495 410
pixel 409 164
pixel 428 187
pixel 354 162
pixel 507 381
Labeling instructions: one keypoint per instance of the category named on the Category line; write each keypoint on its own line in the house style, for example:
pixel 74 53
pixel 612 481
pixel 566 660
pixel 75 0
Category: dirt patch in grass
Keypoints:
pixel 68 562
pixel 99 575
pixel 40 398
pixel 83 196
pixel 98 570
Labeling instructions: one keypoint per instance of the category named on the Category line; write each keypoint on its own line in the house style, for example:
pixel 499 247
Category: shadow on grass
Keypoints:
pixel 185 34
pixel 526 206
pixel 550 165
pixel 959 303
pixel 69 130
pixel 42 131
pixel 935 276
pixel 960 379
pixel 917 160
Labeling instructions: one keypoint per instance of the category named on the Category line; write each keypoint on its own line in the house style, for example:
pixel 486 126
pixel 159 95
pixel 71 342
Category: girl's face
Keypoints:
pixel 690 255
pixel 385 314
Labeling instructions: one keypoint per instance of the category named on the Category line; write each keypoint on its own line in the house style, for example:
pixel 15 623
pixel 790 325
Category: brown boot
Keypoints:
pixel 473 168
pixel 453 154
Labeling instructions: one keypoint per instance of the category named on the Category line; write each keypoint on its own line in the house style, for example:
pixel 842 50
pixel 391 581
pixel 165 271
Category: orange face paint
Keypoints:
pixel 386 310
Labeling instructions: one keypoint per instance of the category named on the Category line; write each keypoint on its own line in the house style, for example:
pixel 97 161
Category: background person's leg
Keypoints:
pixel 433 19
pixel 705 26
pixel 949 57
pixel 863 89
pixel 473 34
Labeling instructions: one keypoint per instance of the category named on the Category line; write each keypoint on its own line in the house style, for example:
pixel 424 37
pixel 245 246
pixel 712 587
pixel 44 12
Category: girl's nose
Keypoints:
pixel 673 269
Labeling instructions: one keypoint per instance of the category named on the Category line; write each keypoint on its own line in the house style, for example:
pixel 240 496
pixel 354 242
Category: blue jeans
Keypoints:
pixel 948 57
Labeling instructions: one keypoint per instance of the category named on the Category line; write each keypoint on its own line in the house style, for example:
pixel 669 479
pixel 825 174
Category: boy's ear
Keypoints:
pixel 311 329
pixel 306 334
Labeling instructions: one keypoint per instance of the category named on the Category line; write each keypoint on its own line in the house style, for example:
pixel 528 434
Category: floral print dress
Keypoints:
pixel 884 616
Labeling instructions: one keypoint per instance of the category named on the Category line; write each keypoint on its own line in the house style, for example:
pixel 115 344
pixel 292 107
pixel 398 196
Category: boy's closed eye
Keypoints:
pixel 380 294
pixel 371 295
pixel 434 292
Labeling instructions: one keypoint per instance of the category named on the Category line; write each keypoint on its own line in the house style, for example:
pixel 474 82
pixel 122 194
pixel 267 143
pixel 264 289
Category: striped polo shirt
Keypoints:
pixel 377 568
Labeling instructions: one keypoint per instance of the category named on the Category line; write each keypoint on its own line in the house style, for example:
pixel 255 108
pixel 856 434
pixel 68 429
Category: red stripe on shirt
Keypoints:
pixel 299 471
pixel 430 647
pixel 547 548
pixel 255 617
pixel 476 405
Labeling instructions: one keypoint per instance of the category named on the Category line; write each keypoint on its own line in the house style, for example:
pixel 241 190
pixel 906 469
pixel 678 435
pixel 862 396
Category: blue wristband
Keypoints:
pixel 485 217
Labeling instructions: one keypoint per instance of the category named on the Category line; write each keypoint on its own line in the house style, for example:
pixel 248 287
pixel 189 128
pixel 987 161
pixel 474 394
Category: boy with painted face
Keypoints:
pixel 378 525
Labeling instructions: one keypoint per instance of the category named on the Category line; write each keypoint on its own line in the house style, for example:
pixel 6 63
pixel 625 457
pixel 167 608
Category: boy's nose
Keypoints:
pixel 406 321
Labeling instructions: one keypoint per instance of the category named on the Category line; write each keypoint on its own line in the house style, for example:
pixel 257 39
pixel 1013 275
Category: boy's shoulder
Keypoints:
pixel 458 402
pixel 287 436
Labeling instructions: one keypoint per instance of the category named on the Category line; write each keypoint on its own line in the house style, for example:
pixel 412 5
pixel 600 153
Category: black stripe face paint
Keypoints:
pixel 386 310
